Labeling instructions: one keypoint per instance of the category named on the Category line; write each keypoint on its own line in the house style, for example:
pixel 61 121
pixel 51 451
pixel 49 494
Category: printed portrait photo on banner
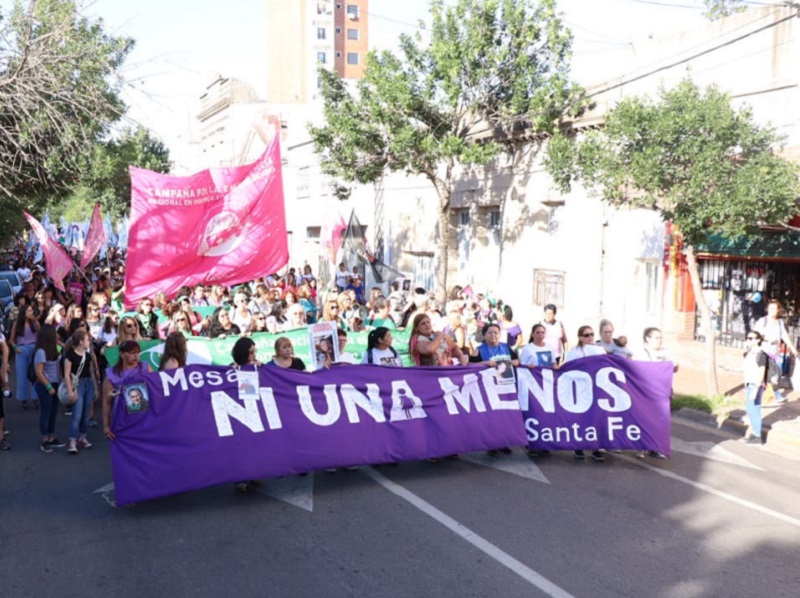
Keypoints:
pixel 136 398
pixel 324 344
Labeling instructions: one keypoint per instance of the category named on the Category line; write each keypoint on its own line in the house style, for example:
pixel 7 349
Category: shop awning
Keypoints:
pixel 770 246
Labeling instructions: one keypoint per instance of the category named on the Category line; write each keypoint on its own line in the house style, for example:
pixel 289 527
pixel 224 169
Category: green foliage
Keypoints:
pixel 488 66
pixel 718 9
pixel 696 402
pixel 105 177
pixel 690 155
pixel 59 95
pixel 490 69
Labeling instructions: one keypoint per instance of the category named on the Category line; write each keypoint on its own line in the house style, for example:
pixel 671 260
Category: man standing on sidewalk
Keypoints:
pixel 653 350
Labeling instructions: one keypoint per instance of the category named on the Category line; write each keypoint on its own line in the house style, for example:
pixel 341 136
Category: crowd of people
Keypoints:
pixel 58 338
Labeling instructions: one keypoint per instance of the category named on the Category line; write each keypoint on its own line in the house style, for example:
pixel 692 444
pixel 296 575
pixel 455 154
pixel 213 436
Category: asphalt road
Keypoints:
pixel 718 519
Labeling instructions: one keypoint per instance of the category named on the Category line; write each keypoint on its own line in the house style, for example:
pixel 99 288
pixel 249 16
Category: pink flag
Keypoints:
pixel 332 234
pixel 223 225
pixel 95 238
pixel 58 263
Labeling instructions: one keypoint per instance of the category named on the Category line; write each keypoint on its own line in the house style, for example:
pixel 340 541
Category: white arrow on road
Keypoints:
pixel 108 493
pixel 516 463
pixel 711 450
pixel 296 490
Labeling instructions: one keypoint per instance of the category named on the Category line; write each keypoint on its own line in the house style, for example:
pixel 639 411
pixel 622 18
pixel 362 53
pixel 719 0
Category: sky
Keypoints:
pixel 182 44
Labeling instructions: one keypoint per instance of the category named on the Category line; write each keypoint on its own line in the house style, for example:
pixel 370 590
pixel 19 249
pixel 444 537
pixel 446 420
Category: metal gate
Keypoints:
pixel 737 293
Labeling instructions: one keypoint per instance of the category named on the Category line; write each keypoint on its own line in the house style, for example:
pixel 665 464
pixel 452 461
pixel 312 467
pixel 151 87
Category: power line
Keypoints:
pixel 693 56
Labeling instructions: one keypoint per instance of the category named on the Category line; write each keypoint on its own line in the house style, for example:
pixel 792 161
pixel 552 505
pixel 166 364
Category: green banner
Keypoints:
pixel 218 351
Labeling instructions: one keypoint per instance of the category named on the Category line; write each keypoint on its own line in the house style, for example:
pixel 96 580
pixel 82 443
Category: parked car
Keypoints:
pixel 6 294
pixel 13 280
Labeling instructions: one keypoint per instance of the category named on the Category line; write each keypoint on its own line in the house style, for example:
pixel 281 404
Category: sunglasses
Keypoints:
pixel 752 338
pixel 587 334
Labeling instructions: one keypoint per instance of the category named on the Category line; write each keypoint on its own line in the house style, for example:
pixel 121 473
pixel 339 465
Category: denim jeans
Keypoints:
pixel 752 405
pixel 81 408
pixel 49 409
pixel 21 361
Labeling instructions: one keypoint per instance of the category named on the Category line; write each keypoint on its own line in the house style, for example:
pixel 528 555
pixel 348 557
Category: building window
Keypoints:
pixel 313 232
pixel 338 54
pixel 548 287
pixel 352 12
pixel 352 34
pixel 338 6
pixel 494 219
pixel 463 218
pixel 338 30
pixel 321 57
pixel 320 32
pixel 352 58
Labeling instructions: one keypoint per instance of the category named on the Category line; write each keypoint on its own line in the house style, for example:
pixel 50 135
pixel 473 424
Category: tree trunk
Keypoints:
pixel 712 384
pixel 443 251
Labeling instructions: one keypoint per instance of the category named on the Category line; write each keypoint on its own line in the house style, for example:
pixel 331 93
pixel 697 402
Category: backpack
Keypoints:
pixel 32 370
pixel 369 354
pixel 772 372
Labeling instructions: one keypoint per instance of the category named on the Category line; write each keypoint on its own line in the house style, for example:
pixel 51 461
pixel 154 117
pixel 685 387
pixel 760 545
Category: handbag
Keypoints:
pixel 63 393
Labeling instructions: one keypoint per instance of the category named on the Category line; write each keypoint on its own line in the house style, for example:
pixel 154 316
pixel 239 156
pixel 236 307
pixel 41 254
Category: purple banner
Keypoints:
pixel 205 425
pixel 597 402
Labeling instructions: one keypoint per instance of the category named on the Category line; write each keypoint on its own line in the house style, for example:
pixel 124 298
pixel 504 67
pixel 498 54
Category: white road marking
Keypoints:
pixel 516 463
pixel 718 493
pixel 477 541
pixel 296 490
pixel 108 493
pixel 712 450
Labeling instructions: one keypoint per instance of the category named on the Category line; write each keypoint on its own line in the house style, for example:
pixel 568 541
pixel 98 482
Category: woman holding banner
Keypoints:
pixel 126 369
pixel 147 320
pixel 585 348
pixel 498 355
pixel 379 349
pixel 284 356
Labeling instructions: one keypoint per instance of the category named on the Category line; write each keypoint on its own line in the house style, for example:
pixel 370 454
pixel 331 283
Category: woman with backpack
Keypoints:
pixel 380 350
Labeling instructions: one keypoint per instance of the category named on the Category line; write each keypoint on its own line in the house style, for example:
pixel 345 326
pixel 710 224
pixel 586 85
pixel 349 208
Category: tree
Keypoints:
pixel 490 69
pixel 59 96
pixel 719 9
pixel 707 167
pixel 105 176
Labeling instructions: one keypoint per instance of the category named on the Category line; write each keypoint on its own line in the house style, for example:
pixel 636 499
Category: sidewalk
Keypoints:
pixel 781 421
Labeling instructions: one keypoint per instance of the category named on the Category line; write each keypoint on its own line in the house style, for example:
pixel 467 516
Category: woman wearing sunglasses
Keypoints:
pixel 585 348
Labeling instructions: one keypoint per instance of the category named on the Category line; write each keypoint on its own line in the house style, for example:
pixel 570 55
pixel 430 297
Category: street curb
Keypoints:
pixel 782 437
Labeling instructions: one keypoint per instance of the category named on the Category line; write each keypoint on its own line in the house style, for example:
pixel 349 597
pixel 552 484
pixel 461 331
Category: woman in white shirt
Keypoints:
pixel 379 349
pixel 585 348
pixel 537 352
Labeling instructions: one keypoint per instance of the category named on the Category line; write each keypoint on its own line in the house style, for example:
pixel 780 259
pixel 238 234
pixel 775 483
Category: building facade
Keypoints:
pixel 535 246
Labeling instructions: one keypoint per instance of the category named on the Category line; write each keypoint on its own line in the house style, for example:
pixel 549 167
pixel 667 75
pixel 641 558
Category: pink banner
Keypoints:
pixel 95 238
pixel 58 263
pixel 222 225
